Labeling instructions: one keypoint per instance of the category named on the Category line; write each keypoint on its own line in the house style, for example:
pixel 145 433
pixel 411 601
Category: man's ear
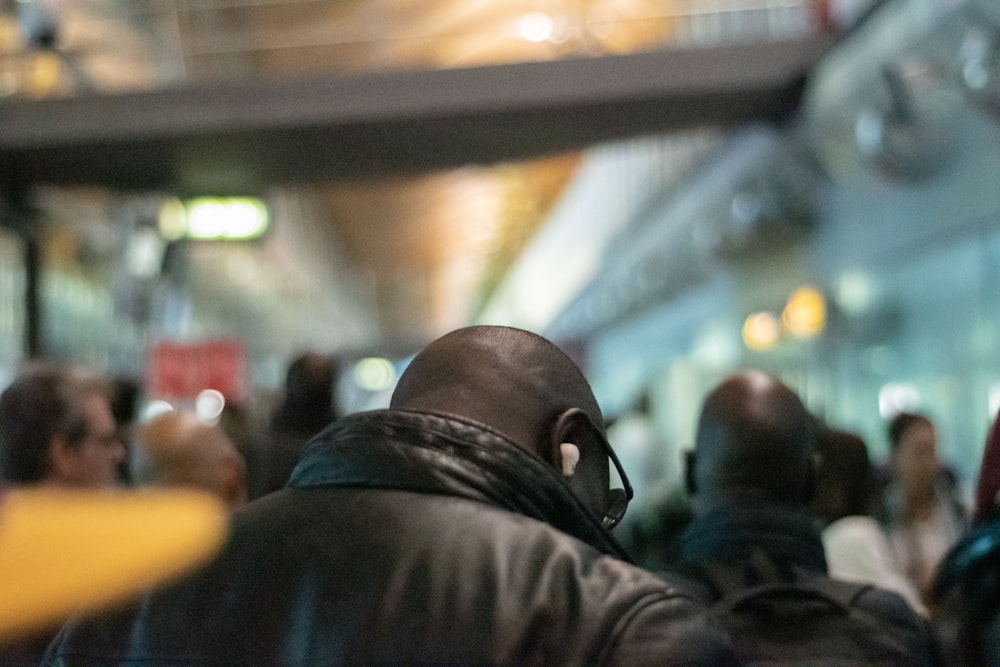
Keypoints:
pixel 572 442
pixel 690 484
pixel 565 441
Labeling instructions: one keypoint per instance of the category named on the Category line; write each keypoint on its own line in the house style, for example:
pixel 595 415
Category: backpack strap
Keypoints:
pixel 845 593
pixel 738 585
pixel 838 595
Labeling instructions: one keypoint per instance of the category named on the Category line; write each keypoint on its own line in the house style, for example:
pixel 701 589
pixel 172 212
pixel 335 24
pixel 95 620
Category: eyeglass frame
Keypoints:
pixel 623 496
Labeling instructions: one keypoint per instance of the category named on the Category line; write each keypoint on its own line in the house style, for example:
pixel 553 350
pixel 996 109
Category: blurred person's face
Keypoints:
pixel 916 457
pixel 93 462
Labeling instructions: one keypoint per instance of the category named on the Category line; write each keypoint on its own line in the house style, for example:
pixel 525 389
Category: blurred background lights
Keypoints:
pixel 374 374
pixel 209 404
pixel 896 397
pixel 155 408
pixel 232 218
pixel 804 316
pixel 854 292
pixel 761 331
pixel 535 27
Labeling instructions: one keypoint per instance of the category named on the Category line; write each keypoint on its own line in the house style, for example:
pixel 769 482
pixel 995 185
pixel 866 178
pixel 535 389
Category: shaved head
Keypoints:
pixel 755 441
pixel 178 449
pixel 521 385
pixel 509 379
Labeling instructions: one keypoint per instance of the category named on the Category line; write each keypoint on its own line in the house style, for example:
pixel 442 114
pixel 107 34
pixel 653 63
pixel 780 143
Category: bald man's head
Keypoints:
pixel 510 379
pixel 178 449
pixel 520 384
pixel 755 442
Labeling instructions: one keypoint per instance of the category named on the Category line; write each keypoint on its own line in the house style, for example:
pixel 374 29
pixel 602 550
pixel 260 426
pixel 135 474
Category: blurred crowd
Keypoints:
pixel 481 518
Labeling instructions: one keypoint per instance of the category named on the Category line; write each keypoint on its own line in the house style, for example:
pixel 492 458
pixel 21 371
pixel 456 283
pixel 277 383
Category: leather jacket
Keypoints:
pixel 409 537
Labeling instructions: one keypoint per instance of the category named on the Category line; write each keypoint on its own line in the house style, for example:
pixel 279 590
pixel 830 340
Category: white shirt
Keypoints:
pixel 857 549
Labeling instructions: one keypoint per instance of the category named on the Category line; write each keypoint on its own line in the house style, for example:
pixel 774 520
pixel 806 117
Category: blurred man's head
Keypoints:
pixel 308 405
pixel 523 386
pixel 57 428
pixel 755 443
pixel 178 449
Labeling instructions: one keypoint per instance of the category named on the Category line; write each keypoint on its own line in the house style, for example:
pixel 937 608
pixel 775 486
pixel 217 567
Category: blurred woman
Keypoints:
pixel 922 512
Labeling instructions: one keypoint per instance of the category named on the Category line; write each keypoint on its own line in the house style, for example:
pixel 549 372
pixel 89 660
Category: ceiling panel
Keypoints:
pixel 431 192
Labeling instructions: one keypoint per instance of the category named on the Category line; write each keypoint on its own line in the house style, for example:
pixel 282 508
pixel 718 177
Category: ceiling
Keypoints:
pixel 424 146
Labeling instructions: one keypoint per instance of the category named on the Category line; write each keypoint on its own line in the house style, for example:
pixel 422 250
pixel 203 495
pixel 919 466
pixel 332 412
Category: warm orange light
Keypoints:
pixel 761 331
pixel 804 315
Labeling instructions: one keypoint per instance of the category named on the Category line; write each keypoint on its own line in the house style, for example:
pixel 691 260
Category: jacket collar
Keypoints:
pixel 735 534
pixel 448 455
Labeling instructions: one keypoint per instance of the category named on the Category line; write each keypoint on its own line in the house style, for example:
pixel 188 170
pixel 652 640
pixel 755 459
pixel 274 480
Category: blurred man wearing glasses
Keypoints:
pixel 466 524
pixel 57 429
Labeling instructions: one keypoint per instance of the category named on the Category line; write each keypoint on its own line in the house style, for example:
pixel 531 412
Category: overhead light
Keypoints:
pixel 804 316
pixel 535 27
pixel 761 331
pixel 207 218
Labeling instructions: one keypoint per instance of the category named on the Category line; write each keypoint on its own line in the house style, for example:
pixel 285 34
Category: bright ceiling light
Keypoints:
pixel 232 218
pixel 804 315
pixel 223 218
pixel 535 27
pixel 761 331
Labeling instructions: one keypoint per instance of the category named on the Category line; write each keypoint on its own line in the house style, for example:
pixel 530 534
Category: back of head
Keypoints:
pixel 178 449
pixel 308 403
pixel 755 442
pixel 523 386
pixel 44 401
pixel 845 482
pixel 509 379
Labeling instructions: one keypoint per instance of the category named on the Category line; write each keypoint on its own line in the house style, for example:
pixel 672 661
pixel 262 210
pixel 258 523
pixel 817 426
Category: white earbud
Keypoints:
pixel 570 457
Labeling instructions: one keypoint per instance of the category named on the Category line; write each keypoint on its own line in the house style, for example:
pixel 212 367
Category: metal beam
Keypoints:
pixel 232 137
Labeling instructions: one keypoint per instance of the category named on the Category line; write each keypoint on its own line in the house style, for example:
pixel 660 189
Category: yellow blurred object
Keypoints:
pixel 78 551
pixel 761 331
pixel 804 315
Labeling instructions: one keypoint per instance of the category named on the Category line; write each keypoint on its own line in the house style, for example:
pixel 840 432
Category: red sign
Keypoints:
pixel 182 370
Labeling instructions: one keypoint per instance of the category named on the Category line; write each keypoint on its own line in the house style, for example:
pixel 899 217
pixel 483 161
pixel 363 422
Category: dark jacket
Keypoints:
pixel 411 538
pixel 966 596
pixel 733 550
